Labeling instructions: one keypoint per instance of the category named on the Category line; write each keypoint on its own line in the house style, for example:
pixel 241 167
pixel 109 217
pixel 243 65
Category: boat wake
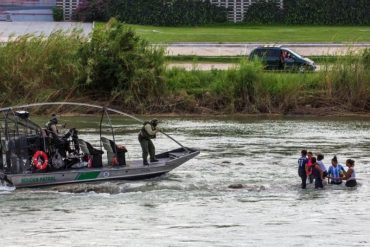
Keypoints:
pixel 127 187
pixel 6 189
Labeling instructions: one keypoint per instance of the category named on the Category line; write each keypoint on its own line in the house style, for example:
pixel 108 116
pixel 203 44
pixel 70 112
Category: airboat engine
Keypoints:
pixel 22 114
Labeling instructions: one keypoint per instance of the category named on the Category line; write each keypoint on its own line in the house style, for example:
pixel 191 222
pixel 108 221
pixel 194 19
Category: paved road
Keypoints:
pixel 233 49
pixel 218 66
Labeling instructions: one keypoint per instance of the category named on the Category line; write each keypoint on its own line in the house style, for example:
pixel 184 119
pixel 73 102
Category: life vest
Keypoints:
pixel 144 134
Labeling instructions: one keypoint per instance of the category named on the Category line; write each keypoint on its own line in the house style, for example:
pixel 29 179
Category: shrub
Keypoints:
pixel 328 12
pixel 366 58
pixel 152 12
pixel 58 14
pixel 264 12
pixel 351 12
pixel 118 62
pixel 93 10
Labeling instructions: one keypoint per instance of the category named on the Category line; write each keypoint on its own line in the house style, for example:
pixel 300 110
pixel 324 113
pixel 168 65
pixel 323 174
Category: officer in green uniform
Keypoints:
pixel 148 132
pixel 52 124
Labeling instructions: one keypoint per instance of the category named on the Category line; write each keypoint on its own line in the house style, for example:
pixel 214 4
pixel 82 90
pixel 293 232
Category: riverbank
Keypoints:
pixel 118 68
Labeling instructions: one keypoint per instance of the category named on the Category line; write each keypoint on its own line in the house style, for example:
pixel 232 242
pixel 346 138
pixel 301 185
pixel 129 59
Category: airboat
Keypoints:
pixel 31 156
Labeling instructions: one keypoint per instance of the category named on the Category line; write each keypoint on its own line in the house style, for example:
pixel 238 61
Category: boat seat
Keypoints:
pixel 83 146
pixel 87 148
pixel 95 155
pixel 115 153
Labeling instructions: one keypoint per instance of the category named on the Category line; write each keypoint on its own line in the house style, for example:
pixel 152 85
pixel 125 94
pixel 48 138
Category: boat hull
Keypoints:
pixel 134 170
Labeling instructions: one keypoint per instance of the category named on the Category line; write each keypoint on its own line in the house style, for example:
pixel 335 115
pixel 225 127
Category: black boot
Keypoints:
pixel 153 160
pixel 145 163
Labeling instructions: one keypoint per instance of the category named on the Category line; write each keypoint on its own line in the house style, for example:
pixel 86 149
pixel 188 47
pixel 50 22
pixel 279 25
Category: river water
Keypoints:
pixel 193 205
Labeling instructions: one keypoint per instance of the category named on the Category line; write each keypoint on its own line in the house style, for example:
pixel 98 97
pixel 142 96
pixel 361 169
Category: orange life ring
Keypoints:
pixel 36 161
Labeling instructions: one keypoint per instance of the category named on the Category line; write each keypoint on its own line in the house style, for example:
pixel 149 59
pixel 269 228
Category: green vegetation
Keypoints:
pixel 58 14
pixel 117 61
pixel 118 68
pixel 342 86
pixel 152 12
pixel 264 12
pixel 328 12
pixel 195 12
pixel 40 69
pixel 254 33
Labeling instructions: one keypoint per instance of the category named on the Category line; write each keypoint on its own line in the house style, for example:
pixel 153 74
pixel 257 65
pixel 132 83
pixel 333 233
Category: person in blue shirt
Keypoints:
pixel 302 162
pixel 335 172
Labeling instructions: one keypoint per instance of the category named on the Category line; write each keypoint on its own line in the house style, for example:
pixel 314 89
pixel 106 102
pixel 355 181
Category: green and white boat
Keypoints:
pixel 33 157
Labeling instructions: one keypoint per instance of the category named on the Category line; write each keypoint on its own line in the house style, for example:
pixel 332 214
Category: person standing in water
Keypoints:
pixel 148 132
pixel 317 173
pixel 309 167
pixel 335 172
pixel 319 161
pixel 302 163
pixel 350 175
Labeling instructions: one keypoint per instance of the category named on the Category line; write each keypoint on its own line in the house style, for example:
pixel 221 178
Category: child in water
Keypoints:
pixel 309 167
pixel 350 175
pixel 317 173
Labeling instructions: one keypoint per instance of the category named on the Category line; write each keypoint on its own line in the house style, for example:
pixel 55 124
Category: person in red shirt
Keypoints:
pixel 309 167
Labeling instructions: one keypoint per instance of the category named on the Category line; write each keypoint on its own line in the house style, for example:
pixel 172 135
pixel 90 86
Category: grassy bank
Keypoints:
pixel 342 86
pixel 119 68
pixel 258 33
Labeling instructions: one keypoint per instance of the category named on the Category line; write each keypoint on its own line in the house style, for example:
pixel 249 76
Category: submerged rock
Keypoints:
pixel 239 164
pixel 236 186
pixel 252 187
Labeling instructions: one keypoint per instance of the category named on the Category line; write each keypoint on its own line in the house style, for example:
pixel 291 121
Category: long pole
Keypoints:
pixel 170 137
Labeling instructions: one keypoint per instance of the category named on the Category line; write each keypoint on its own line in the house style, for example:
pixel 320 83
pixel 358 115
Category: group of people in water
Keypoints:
pixel 313 169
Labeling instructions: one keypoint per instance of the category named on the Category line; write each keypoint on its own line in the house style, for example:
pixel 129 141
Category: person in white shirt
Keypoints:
pixel 319 161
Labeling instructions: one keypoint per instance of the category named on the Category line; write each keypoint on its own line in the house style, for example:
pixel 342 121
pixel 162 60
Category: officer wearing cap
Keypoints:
pixel 148 132
pixel 52 124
